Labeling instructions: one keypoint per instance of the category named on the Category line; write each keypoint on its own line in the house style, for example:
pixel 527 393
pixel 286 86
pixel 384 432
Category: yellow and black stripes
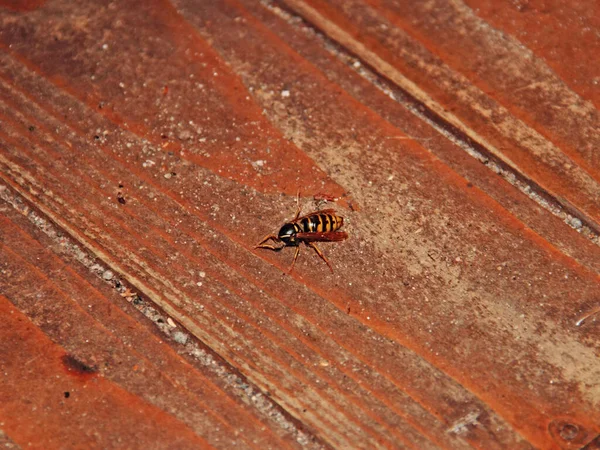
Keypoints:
pixel 320 223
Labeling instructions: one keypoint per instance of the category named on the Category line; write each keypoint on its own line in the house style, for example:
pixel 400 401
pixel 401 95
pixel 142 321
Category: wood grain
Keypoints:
pixel 80 331
pixel 164 139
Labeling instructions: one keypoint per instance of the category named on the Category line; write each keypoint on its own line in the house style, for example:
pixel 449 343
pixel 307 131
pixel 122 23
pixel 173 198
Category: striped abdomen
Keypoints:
pixel 318 223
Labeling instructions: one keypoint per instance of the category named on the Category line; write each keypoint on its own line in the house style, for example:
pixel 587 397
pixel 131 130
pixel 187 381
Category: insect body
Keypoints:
pixel 318 226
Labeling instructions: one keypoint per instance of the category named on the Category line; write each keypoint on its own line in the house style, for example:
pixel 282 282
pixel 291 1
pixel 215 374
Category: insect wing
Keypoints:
pixel 335 236
pixel 316 213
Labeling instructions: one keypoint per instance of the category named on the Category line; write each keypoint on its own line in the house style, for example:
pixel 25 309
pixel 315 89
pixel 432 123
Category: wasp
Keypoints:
pixel 318 226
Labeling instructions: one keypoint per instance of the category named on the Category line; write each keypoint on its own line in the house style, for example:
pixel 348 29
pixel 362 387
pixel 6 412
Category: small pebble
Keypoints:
pixel 108 275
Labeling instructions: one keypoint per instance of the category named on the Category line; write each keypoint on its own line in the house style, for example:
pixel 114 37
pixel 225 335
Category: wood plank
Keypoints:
pixel 537 26
pixel 35 379
pixel 97 337
pixel 451 320
pixel 483 84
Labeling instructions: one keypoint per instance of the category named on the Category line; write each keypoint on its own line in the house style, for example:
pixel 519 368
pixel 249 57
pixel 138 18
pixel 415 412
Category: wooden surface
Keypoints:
pixel 146 147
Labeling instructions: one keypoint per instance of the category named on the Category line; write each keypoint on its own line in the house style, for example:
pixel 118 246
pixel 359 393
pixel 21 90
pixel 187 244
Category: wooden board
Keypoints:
pixel 146 147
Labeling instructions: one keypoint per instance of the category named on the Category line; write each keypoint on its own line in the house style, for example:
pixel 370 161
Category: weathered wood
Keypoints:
pixel 482 81
pixel 101 375
pixel 167 138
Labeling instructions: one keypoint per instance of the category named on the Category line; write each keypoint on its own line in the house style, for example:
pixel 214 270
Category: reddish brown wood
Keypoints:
pixel 481 81
pixel 166 138
pixel 109 366
pixel 37 381
pixel 559 32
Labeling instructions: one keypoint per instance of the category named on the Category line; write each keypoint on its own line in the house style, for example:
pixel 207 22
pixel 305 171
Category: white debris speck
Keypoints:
pixel 180 337
pixel 285 93
pixel 148 163
pixel 107 275
pixel 462 425
pixel 256 165
pixel 171 323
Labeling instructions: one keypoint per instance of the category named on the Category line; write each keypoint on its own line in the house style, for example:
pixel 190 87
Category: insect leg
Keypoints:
pixel 298 206
pixel 295 258
pixel 316 249
pixel 263 244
